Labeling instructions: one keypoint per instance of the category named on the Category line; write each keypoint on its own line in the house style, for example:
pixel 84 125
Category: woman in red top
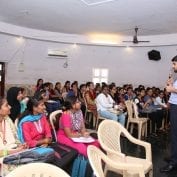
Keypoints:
pixel 33 127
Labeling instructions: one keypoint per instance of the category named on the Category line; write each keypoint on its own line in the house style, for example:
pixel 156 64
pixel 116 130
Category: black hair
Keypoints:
pixel 46 84
pixel 67 82
pixel 32 102
pixel 104 86
pixel 39 81
pixel 38 94
pixel 12 94
pixel 111 86
pixel 174 59
pixel 2 100
pixel 57 84
pixel 68 103
pixel 81 86
pixel 74 83
pixel 88 84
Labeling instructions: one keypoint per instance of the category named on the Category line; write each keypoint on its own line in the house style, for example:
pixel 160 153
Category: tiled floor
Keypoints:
pixel 160 149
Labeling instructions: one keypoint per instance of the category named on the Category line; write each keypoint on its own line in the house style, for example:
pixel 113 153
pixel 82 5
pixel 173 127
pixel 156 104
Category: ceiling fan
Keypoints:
pixel 135 38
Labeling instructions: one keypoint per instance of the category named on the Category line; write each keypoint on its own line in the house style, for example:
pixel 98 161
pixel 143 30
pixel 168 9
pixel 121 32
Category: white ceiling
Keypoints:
pixel 76 17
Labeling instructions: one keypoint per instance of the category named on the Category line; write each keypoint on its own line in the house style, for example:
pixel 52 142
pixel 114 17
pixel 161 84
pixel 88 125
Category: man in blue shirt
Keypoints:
pixel 172 88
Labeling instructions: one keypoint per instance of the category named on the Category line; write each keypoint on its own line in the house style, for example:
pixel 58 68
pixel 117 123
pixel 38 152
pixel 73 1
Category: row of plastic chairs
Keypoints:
pixel 132 119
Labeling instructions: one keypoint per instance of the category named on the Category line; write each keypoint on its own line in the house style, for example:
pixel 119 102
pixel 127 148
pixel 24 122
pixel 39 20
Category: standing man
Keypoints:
pixel 172 88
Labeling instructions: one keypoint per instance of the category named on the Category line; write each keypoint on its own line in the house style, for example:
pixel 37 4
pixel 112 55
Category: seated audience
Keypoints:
pixel 97 89
pixel 147 109
pixel 65 89
pixel 114 94
pixel 39 84
pixel 73 91
pixel 52 95
pixel 81 94
pixel 90 96
pixel 120 93
pixel 14 96
pixel 105 104
pixel 159 100
pixel 58 92
pixel 72 126
pixel 129 94
pixel 24 100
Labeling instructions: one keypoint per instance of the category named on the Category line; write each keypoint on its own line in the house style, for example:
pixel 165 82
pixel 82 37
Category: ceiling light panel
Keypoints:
pixel 95 2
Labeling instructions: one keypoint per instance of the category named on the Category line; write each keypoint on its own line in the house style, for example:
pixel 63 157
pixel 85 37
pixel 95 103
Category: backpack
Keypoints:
pixel 81 167
pixel 39 154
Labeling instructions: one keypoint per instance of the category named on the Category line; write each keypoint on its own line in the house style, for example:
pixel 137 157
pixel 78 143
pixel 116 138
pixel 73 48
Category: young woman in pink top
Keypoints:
pixel 72 126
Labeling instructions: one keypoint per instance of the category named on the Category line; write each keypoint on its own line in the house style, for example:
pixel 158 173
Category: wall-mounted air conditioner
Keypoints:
pixel 57 53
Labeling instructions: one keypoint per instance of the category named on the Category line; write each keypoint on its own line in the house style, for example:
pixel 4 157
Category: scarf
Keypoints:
pixel 77 119
pixel 28 118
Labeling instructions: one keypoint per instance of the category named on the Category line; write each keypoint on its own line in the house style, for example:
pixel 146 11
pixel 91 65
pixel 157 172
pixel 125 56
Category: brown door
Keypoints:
pixel 2 78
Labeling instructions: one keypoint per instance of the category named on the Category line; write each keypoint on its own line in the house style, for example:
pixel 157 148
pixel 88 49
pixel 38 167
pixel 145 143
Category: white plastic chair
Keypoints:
pixel 97 157
pixel 134 119
pixel 38 170
pixel 109 133
pixel 52 119
pixel 99 119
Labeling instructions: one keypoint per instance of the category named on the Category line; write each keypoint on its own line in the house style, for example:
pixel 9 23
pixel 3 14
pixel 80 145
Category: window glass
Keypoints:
pixel 100 75
pixel 96 72
pixel 104 73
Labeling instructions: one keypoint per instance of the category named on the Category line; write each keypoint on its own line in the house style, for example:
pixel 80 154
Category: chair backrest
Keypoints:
pixel 129 105
pixel 135 110
pixel 109 133
pixel 38 170
pixel 53 120
pixel 132 109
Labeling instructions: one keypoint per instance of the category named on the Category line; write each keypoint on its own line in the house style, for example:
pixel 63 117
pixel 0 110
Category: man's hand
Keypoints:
pixel 170 88
pixel 169 82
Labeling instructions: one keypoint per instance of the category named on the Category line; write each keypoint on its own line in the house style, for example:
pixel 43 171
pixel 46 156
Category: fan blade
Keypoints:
pixel 127 41
pixel 143 41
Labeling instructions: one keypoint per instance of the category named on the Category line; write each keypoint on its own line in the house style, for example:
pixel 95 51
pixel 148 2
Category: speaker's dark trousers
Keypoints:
pixel 173 126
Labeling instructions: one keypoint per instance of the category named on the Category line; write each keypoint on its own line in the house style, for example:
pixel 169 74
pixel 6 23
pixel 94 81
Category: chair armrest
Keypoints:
pixel 146 145
pixel 115 154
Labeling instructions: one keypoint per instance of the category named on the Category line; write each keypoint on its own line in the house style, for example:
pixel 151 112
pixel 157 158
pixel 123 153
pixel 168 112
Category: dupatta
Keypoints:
pixel 28 118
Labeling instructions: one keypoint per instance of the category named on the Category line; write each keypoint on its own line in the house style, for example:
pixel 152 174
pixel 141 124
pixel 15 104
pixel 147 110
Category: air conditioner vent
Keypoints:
pixel 57 53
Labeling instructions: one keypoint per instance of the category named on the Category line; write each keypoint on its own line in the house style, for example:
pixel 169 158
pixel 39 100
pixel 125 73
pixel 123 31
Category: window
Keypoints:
pixel 100 75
